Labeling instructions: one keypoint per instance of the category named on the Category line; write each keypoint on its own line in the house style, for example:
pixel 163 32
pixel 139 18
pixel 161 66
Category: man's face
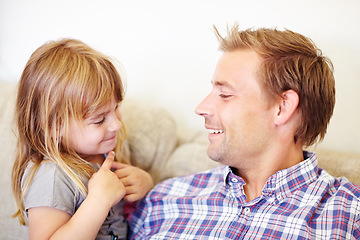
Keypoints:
pixel 238 117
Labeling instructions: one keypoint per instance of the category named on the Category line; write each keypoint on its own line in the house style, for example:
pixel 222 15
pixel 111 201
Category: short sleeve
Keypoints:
pixel 50 187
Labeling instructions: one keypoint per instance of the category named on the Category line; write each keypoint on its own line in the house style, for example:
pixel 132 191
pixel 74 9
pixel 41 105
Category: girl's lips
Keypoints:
pixel 110 139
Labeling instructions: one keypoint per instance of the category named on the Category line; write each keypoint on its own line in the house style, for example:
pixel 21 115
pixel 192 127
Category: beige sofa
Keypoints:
pixel 156 145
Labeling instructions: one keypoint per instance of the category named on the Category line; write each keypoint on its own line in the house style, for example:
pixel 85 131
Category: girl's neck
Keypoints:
pixel 95 159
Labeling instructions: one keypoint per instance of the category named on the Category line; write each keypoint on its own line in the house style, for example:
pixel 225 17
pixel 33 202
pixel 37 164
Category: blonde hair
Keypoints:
pixel 62 80
pixel 291 61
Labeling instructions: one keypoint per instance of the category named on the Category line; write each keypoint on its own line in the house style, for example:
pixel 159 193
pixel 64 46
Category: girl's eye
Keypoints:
pixel 100 122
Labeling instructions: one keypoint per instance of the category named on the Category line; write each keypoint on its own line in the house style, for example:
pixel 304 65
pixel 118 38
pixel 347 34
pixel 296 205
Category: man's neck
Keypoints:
pixel 256 177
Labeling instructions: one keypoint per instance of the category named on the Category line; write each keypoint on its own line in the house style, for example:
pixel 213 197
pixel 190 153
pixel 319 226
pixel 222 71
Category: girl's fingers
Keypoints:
pixel 107 164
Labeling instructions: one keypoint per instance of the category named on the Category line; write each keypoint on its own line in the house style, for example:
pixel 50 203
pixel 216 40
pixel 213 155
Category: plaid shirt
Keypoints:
pixel 301 202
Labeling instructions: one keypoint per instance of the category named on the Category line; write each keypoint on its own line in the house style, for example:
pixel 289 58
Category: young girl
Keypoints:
pixel 68 120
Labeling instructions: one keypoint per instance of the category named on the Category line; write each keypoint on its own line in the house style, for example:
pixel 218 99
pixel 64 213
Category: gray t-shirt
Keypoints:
pixel 50 187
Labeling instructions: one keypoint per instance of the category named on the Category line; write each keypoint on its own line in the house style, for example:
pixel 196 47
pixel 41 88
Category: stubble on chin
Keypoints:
pixel 216 154
pixel 224 153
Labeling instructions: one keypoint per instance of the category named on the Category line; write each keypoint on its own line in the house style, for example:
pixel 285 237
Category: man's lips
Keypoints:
pixel 215 131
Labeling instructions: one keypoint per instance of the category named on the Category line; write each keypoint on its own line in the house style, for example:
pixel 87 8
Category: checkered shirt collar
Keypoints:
pixel 285 181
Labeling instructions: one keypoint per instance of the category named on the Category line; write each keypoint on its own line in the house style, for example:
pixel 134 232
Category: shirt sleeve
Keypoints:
pixel 50 187
pixel 136 221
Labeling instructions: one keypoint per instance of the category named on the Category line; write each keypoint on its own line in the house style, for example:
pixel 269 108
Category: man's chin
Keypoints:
pixel 214 155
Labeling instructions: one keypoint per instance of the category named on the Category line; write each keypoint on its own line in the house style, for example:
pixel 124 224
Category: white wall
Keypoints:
pixel 169 52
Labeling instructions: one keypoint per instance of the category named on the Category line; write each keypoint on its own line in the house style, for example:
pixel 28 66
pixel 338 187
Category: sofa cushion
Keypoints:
pixel 340 164
pixel 10 227
pixel 151 133
pixel 188 158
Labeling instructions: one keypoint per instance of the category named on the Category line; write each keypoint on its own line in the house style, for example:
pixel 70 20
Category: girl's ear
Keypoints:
pixel 287 106
pixel 57 132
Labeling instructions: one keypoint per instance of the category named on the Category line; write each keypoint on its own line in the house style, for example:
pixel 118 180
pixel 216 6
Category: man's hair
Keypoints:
pixel 291 61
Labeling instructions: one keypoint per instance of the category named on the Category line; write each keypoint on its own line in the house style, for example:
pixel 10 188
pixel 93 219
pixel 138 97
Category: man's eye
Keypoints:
pixel 224 95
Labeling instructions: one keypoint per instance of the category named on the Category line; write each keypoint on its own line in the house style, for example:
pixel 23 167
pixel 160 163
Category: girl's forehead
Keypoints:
pixel 106 107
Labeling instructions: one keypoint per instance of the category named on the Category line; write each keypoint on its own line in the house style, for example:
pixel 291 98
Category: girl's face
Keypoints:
pixel 97 134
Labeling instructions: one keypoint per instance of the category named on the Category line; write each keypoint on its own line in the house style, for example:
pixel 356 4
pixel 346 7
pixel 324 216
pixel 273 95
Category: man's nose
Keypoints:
pixel 204 107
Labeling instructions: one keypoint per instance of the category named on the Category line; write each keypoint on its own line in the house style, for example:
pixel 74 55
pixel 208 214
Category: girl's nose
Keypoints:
pixel 115 123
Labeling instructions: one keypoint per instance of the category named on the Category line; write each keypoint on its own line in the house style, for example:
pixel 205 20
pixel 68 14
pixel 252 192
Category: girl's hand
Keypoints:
pixel 104 185
pixel 105 190
pixel 137 182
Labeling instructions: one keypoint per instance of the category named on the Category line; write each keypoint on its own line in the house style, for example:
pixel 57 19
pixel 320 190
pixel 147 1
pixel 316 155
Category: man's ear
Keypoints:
pixel 287 105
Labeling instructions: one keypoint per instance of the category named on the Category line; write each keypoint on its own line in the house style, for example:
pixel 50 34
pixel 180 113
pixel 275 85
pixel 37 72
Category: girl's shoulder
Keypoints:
pixel 50 187
pixel 47 170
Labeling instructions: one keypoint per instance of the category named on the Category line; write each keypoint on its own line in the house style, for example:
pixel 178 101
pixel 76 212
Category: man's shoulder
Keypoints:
pixel 348 187
pixel 340 186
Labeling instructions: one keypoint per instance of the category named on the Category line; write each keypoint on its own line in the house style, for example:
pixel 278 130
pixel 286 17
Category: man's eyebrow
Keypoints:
pixel 222 84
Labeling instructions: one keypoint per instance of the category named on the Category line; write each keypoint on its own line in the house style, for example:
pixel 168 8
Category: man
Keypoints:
pixel 273 95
